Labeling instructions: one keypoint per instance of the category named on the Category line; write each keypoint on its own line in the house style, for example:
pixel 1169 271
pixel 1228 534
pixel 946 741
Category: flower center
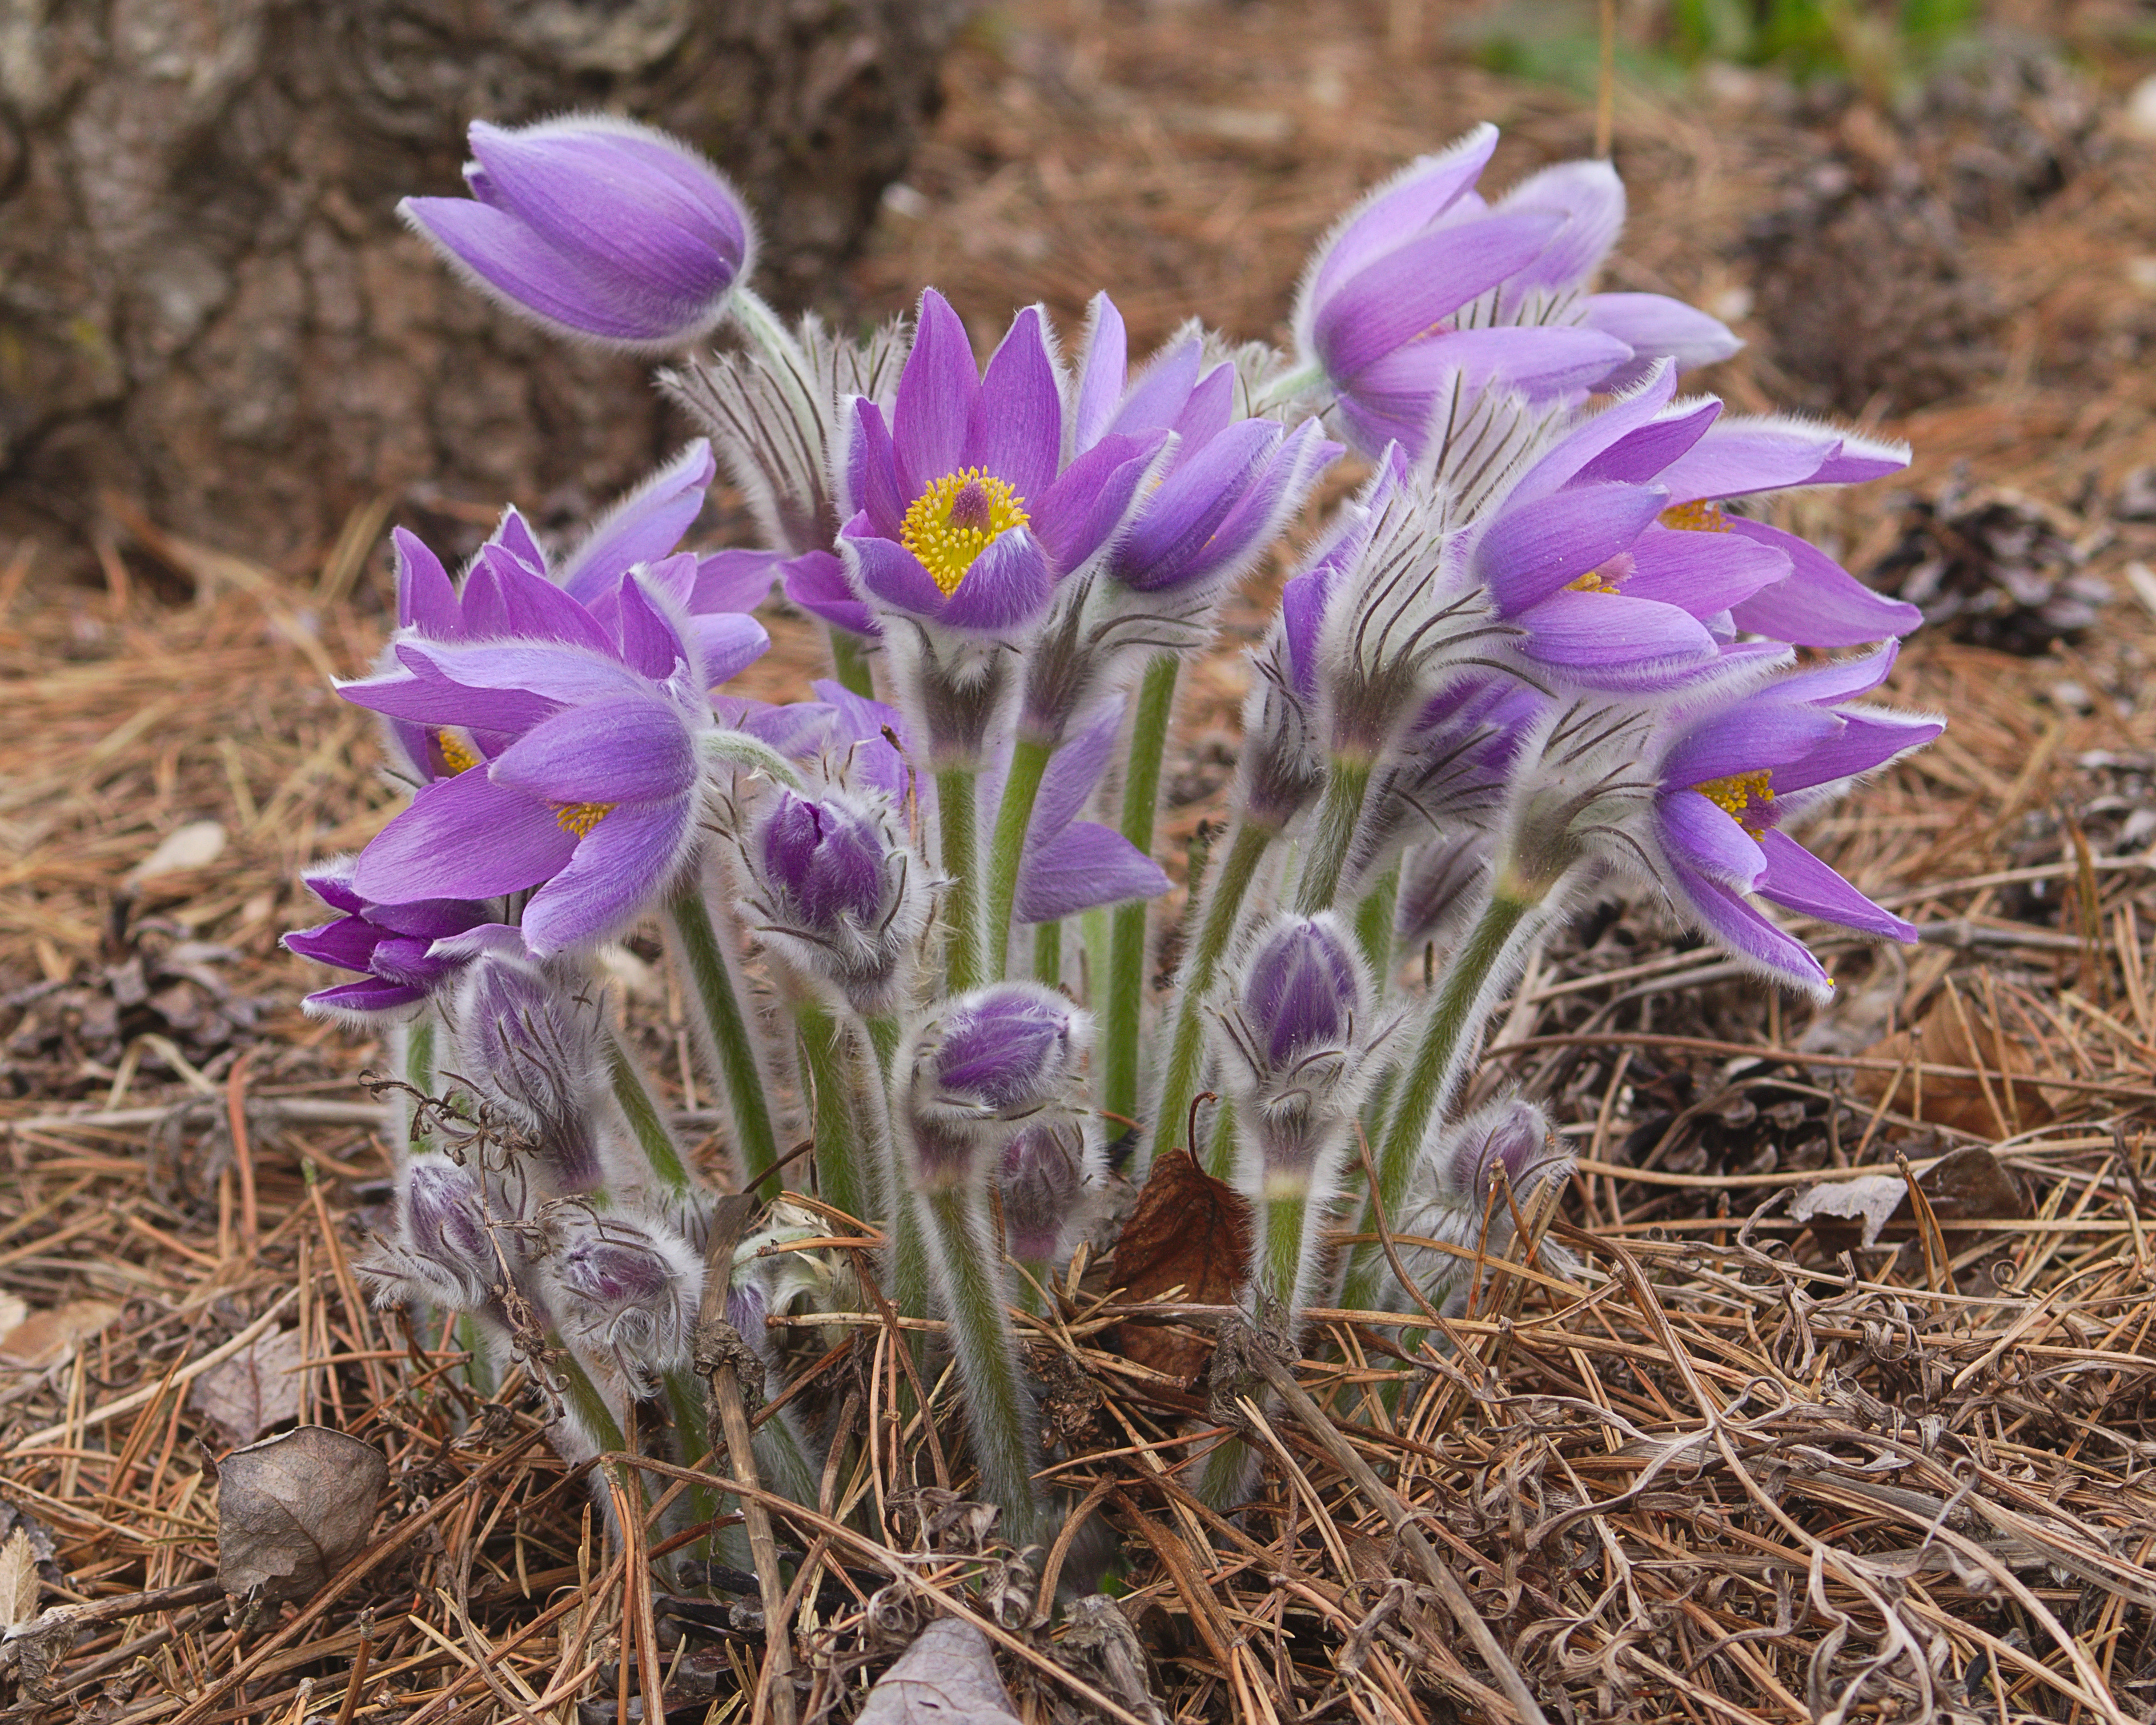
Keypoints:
pixel 580 818
pixel 452 754
pixel 1740 795
pixel 957 518
pixel 1700 517
pixel 1593 581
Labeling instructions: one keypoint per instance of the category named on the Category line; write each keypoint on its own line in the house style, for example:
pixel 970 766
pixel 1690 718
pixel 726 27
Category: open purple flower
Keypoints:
pixel 1727 783
pixel 965 514
pixel 389 945
pixel 596 228
pixel 588 791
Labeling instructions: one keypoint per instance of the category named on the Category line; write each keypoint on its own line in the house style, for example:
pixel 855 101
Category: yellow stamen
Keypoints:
pixel 580 818
pixel 1593 581
pixel 454 754
pixel 957 518
pixel 1739 794
pixel 1701 517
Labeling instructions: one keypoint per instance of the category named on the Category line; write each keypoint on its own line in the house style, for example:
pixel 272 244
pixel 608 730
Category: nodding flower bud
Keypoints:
pixel 1047 1174
pixel 531 1050
pixel 595 228
pixel 630 1289
pixel 444 1252
pixel 1294 1034
pixel 1456 1197
pixel 993 1058
pixel 839 893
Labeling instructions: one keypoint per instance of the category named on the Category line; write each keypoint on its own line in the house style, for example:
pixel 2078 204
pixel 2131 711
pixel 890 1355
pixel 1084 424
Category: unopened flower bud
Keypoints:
pixel 632 1288
pixel 1293 1037
pixel 994 1057
pixel 444 1252
pixel 534 1051
pixel 840 894
pixel 1043 1180
pixel 1459 1195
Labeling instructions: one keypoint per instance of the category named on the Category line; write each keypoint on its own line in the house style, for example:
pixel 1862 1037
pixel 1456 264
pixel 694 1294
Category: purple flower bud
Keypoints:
pixel 994 1057
pixel 632 1288
pixel 596 228
pixel 1302 989
pixel 1456 1198
pixel 529 1048
pixel 1512 1137
pixel 444 1252
pixel 1043 1180
pixel 839 893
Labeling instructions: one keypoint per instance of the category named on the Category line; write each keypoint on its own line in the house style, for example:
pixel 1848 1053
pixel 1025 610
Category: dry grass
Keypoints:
pixel 1729 1467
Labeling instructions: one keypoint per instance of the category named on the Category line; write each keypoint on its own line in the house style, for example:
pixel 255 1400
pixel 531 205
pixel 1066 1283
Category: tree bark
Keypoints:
pixel 207 303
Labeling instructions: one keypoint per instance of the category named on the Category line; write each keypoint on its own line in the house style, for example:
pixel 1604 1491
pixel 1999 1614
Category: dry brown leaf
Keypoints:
pixel 45 1338
pixel 294 1509
pixel 1959 1103
pixel 19 1581
pixel 1966 1186
pixel 1188 1231
pixel 947 1677
pixel 255 1389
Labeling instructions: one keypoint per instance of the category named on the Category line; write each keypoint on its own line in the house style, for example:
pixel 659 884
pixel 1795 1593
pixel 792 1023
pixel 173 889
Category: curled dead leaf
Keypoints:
pixel 947 1677
pixel 294 1509
pixel 1964 1188
pixel 1964 1039
pixel 1187 1232
pixel 44 1339
pixel 256 1389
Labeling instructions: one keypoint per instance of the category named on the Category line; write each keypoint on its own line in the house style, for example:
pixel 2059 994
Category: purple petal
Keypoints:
pixel 645 526
pixel 874 484
pixel 464 837
pixel 1016 428
pixel 735 580
pixel 1008 586
pixel 1182 517
pixel 1708 839
pixel 1100 378
pixel 621 865
pixel 539 610
pixel 612 752
pixel 1528 553
pixel 1840 679
pixel 888 572
pixel 1084 867
pixel 426 601
pixel 332 886
pixel 1591 197
pixel 486 617
pixel 1163 391
pixel 729 644
pixel 1726 917
pixel 1645 452
pixel 1392 398
pixel 347 943
pixel 1799 881
pixel 432 701
pixel 428 919
pixel 1588 441
pixel 1092 497
pixel 368 994
pixel 1396 299
pixel 1209 412
pixel 1074 770
pixel 936 396
pixel 1867 741
pixel 1608 641
pixel 1746 737
pixel 1820 604
pixel 1703 573
pixel 1655 326
pixel 1394 212
pixel 513 534
pixel 816 581
pixel 560 675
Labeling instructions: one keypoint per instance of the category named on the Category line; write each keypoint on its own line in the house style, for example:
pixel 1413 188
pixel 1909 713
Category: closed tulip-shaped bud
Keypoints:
pixel 1460 1193
pixel 990 1059
pixel 1295 1032
pixel 443 1253
pixel 629 1291
pixel 533 1051
pixel 595 228
pixel 1045 1180
pixel 839 894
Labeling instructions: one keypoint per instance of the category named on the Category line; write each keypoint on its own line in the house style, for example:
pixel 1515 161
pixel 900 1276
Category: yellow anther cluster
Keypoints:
pixel 1702 517
pixel 580 818
pixel 457 755
pixel 1593 581
pixel 957 518
pixel 1739 794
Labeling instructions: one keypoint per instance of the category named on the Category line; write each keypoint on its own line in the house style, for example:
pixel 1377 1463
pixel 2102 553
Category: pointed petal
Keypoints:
pixel 888 573
pixel 612 752
pixel 1016 427
pixel 1074 770
pixel 1209 412
pixel 1391 213
pixel 936 396
pixel 1703 573
pixel 1100 378
pixel 1708 839
pixel 464 837
pixel 1591 197
pixel 816 581
pixel 1092 498
pixel 874 484
pixel 347 943
pixel 645 526
pixel 1746 737
pixel 1588 443
pixel 620 867
pixel 1654 325
pixel 1084 867
pixel 1819 604
pixel 1799 881
pixel 1007 587
pixel 1868 741
pixel 540 611
pixel 1163 390
pixel 1179 519
pixel 1646 452
pixel 1742 456
pixel 426 601
pixel 729 644
pixel 561 675
pixel 1724 916
pixel 1528 553
pixel 1608 641
pixel 514 535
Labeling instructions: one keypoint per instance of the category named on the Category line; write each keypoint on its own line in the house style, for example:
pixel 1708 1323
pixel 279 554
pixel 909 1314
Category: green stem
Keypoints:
pixel 907 1265
pixel 832 1071
pixel 1347 783
pixel 1220 1149
pixel 1373 928
pixel 764 329
pixel 1186 1052
pixel 960 821
pixel 1028 761
pixel 1430 1077
pixel 849 660
pixel 1124 1001
pixel 1278 1276
pixel 583 1395
pixel 421 1037
pixel 647 1123
pixel 1048 952
pixel 712 988
pixel 684 1402
pixel 998 1410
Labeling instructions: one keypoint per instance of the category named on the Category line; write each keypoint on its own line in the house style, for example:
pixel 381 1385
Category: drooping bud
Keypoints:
pixel 531 1049
pixel 629 1289
pixel 993 1058
pixel 1460 1193
pixel 444 1252
pixel 841 893
pixel 1044 1179
pixel 595 228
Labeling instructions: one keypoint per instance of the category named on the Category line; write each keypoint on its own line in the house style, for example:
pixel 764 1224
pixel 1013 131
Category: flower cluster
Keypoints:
pixel 1548 643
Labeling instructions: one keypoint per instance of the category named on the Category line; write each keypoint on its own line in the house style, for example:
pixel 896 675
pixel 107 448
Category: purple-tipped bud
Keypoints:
pixel 532 1051
pixel 1302 990
pixel 994 1057
pixel 1456 1197
pixel 630 1288
pixel 1044 1181
pixel 594 227
pixel 444 1252
pixel 839 893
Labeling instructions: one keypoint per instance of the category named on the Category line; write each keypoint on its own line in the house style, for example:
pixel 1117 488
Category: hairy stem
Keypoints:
pixel 717 1003
pixel 832 1072
pixel 1021 788
pixel 1373 928
pixel 1124 1000
pixel 1193 982
pixel 849 661
pixel 907 1265
pixel 647 1122
pixel 1048 952
pixel 960 819
pixel 1347 783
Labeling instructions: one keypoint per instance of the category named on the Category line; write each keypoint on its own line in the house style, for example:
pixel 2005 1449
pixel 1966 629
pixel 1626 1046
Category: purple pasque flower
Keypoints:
pixel 966 514
pixel 623 1289
pixel 853 740
pixel 1457 1195
pixel 595 228
pixel 529 1043
pixel 840 894
pixel 989 1059
pixel 444 1250
pixel 1069 865
pixel 390 946
pixel 1730 779
pixel 1046 1178
pixel 588 790
pixel 1404 294
pixel 1301 990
